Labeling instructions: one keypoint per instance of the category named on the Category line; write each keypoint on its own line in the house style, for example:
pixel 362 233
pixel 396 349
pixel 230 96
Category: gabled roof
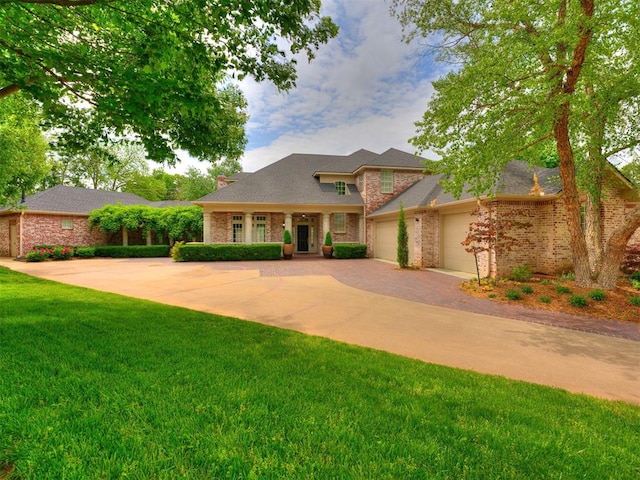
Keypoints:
pixel 293 179
pixel 516 179
pixel 64 199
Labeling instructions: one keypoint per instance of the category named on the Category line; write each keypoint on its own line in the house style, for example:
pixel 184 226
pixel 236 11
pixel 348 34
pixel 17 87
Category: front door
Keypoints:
pixel 303 238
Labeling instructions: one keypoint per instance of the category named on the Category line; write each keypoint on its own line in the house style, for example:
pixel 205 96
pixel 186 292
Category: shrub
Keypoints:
pixel 528 289
pixel 328 241
pixel 37 255
pixel 492 295
pixel 350 250
pixel 85 252
pixel 545 300
pixel 512 294
pixel 225 252
pixel 62 253
pixel 132 251
pixel 578 301
pixel 636 275
pixel 286 238
pixel 597 295
pixel 175 251
pixel 635 301
pixel 521 273
pixel 635 283
pixel 567 277
pixel 562 289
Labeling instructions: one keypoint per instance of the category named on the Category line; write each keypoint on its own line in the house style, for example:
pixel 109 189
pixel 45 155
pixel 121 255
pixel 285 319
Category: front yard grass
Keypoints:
pixel 95 385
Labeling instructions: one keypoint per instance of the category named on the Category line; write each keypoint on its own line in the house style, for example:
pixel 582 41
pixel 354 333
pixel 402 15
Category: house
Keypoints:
pixel 60 216
pixel 357 198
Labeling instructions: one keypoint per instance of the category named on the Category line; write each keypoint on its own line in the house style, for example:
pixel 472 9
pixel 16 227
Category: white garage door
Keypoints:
pixel 455 228
pixel 386 239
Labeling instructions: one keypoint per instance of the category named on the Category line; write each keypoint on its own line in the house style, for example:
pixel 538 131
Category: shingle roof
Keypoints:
pixel 293 179
pixel 66 199
pixel 516 179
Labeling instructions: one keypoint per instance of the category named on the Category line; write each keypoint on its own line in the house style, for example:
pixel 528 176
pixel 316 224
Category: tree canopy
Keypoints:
pixel 524 77
pixel 154 69
pixel 23 148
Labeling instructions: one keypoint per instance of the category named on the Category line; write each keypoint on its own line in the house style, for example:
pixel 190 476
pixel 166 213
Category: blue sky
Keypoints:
pixel 364 89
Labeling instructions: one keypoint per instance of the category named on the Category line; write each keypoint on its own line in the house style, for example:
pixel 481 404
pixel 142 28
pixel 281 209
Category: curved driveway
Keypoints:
pixel 418 314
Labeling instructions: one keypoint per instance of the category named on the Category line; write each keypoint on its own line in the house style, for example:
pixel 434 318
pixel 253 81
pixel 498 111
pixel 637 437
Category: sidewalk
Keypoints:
pixel 598 365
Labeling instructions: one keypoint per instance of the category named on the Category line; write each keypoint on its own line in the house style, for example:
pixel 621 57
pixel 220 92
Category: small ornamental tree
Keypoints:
pixel 403 241
pixel 492 233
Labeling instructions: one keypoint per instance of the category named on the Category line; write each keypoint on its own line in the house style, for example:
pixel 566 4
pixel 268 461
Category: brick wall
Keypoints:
pixel 353 229
pixel 47 229
pixel 427 239
pixel 222 231
pixel 374 199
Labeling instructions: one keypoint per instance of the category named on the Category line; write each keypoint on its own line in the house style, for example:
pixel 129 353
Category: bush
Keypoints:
pixel 578 301
pixel 38 255
pixel 545 300
pixel 528 289
pixel 132 251
pixel 328 240
pixel 175 251
pixel 85 252
pixel 562 289
pixel 350 250
pixel 636 275
pixel 521 273
pixel 635 301
pixel 597 295
pixel 512 294
pixel 62 253
pixel 224 252
pixel 635 283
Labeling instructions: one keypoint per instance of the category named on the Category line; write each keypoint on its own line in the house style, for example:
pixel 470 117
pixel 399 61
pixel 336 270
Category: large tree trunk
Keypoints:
pixel 616 247
pixel 572 199
pixel 593 232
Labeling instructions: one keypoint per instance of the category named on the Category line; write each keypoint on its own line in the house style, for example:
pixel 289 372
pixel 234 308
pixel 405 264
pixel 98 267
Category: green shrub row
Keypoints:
pixel 349 250
pixel 132 251
pixel 223 252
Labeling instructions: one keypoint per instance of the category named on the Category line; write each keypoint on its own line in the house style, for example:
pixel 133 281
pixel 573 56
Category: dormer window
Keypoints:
pixel 386 181
pixel 341 188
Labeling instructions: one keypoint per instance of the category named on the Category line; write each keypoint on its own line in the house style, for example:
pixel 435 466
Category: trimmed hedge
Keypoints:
pixel 132 251
pixel 350 250
pixel 223 252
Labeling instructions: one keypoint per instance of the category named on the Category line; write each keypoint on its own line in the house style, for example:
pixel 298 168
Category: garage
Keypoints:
pixel 386 239
pixel 455 228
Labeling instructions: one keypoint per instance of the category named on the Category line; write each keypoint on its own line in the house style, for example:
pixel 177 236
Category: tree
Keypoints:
pixel 197 184
pixel 403 241
pixel 525 76
pixel 152 68
pixel 23 149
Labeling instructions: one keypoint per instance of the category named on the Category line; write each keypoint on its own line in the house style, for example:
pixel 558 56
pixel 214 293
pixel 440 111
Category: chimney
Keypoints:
pixel 222 181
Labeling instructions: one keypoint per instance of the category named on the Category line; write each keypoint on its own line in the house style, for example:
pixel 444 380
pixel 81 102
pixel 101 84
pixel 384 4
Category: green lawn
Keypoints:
pixel 95 385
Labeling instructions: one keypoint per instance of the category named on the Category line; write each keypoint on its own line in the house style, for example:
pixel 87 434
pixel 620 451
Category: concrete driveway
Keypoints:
pixel 363 302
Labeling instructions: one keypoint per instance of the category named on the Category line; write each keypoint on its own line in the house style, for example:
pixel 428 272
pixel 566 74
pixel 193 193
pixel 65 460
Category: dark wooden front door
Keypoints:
pixel 303 238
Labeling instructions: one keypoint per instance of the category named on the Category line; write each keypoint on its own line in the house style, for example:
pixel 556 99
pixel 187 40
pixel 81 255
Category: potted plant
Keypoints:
pixel 327 248
pixel 287 248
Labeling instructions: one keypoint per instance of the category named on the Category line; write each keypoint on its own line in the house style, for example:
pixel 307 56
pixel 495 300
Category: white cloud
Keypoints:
pixel 365 89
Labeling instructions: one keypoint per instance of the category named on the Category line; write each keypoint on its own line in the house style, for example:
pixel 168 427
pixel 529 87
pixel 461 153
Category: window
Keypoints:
pixel 341 188
pixel 340 222
pixel 67 224
pixel 237 229
pixel 386 181
pixel 259 233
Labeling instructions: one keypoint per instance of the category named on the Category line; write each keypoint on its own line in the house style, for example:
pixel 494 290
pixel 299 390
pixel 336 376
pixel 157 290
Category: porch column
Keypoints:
pixel 125 237
pixel 248 227
pixel 361 228
pixel 326 225
pixel 288 222
pixel 206 227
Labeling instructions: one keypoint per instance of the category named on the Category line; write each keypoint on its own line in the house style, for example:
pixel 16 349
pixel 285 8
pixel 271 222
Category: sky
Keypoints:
pixel 365 89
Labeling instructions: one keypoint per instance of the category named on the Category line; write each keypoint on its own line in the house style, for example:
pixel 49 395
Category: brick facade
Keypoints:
pixel 372 196
pixel 36 229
